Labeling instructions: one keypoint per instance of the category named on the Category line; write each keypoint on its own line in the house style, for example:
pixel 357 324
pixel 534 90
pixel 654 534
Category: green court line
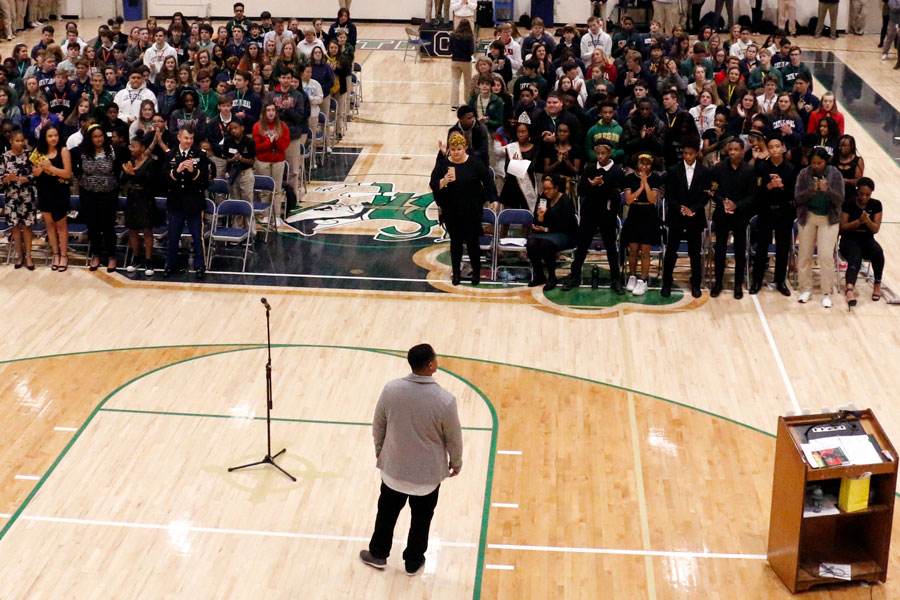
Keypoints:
pixel 168 413
pixel 100 407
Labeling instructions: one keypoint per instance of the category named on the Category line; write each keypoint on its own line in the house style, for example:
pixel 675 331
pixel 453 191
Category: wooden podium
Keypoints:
pixel 798 544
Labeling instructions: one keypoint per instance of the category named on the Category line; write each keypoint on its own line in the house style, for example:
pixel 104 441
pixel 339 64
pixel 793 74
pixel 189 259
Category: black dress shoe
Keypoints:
pixel 755 287
pixel 617 286
pixel 695 291
pixel 454 280
pixel 738 292
pixel 476 278
pixel 666 290
pixel 167 272
pixel 783 288
pixel 570 283
pixel 536 282
pixel 551 284
pixel 201 274
pixel 716 290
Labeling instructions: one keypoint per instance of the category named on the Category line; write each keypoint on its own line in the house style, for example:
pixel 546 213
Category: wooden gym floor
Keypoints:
pixel 611 450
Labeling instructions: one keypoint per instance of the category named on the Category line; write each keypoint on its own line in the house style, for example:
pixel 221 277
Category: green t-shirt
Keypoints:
pixel 818 205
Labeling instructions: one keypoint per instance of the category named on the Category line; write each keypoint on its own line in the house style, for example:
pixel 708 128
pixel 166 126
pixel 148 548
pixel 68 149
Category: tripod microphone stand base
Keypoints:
pixel 267 460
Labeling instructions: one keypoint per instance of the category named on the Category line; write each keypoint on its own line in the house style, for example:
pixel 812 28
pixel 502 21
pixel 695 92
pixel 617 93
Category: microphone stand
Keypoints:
pixel 268 459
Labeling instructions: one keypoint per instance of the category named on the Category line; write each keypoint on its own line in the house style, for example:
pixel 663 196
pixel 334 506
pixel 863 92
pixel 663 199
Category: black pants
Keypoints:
pixel 464 232
pixel 543 247
pixel 177 221
pixel 100 218
pixel 421 508
pixel 738 226
pixel 695 18
pixel 855 249
pixel 692 230
pixel 782 226
pixel 591 221
pixel 884 27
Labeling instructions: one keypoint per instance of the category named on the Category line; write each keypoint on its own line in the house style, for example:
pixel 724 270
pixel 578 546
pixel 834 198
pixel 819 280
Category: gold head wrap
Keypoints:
pixel 457 139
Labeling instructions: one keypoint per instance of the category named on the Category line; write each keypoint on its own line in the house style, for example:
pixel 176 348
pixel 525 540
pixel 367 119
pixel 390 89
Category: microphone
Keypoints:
pixel 265 303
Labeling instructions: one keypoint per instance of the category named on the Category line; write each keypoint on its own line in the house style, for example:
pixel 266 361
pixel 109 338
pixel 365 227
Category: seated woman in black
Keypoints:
pixel 554 229
pixel 461 186
pixel 860 221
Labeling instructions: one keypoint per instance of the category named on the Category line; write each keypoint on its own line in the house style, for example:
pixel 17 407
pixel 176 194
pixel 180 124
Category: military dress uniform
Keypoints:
pixel 186 203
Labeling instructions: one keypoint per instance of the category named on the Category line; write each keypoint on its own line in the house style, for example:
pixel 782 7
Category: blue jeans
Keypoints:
pixel 177 221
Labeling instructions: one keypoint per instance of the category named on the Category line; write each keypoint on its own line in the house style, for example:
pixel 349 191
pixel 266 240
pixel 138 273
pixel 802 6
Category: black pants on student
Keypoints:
pixel 462 231
pixel 782 226
pixel 591 221
pixel 856 248
pixel 100 218
pixel 690 229
pixel 421 508
pixel 543 247
pixel 737 225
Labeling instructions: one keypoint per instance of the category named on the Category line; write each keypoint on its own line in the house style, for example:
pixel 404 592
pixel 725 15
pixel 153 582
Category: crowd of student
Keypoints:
pixel 105 119
pixel 698 134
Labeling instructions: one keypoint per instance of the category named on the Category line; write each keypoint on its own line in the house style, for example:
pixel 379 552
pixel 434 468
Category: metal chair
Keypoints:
pixel 263 184
pixel 511 217
pixel 218 190
pixel 415 43
pixel 228 231
pixel 5 231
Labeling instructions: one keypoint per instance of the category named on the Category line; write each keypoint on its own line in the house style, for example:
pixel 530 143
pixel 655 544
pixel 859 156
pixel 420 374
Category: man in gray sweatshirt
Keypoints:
pixel 416 426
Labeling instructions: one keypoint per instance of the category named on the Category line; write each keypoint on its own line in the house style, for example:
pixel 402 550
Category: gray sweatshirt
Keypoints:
pixel 415 427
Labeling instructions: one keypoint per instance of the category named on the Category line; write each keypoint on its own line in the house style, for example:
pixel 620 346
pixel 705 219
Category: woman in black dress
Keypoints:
pixel 512 195
pixel 98 169
pixel 461 185
pixel 641 228
pixel 141 175
pixel 850 164
pixel 555 228
pixel 52 171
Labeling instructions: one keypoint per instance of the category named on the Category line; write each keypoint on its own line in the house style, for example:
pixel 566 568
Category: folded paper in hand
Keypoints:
pixel 518 168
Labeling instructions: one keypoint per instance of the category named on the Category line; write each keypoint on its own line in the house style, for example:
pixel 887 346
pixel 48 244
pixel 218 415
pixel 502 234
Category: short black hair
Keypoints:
pixel 419 356
pixel 865 182
pixel 691 141
pixel 464 110
pixel 236 4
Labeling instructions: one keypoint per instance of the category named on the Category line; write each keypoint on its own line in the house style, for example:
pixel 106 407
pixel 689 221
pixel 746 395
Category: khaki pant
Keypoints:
pixel 787 15
pixel 667 15
pixel 294 158
pixel 832 11
pixel 344 4
pixel 856 21
pixel 817 233
pixel 460 70
pixel 9 16
pixel 441 10
pixel 242 189
pixel 221 167
pixel 275 170
pixel 21 5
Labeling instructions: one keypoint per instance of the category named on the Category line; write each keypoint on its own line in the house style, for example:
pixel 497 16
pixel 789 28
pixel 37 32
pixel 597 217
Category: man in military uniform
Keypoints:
pixel 187 173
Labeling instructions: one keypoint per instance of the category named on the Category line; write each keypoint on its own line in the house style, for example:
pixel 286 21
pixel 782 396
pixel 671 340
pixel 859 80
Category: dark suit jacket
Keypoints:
pixel 695 197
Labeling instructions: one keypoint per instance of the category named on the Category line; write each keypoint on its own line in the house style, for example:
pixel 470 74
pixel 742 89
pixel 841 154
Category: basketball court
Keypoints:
pixel 614 447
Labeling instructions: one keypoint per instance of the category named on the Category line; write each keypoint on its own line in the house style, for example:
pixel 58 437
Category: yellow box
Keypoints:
pixel 854 494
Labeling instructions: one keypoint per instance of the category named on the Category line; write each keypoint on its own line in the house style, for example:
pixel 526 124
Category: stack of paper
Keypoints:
pixel 841 450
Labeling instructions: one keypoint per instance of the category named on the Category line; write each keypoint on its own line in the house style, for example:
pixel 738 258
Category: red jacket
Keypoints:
pixel 819 114
pixel 266 150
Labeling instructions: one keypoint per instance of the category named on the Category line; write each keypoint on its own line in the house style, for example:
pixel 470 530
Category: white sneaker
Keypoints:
pixel 632 281
pixel 130 268
pixel 148 271
pixel 826 301
pixel 640 288
pixel 884 57
pixel 804 297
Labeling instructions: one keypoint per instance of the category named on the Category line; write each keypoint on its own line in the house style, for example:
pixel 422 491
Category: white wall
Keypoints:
pixel 402 10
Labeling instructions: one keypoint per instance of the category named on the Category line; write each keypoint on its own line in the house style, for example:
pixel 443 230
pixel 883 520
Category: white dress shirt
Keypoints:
pixel 689 172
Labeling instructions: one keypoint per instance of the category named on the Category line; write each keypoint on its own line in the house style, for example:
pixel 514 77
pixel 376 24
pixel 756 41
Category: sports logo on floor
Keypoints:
pixel 398 216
